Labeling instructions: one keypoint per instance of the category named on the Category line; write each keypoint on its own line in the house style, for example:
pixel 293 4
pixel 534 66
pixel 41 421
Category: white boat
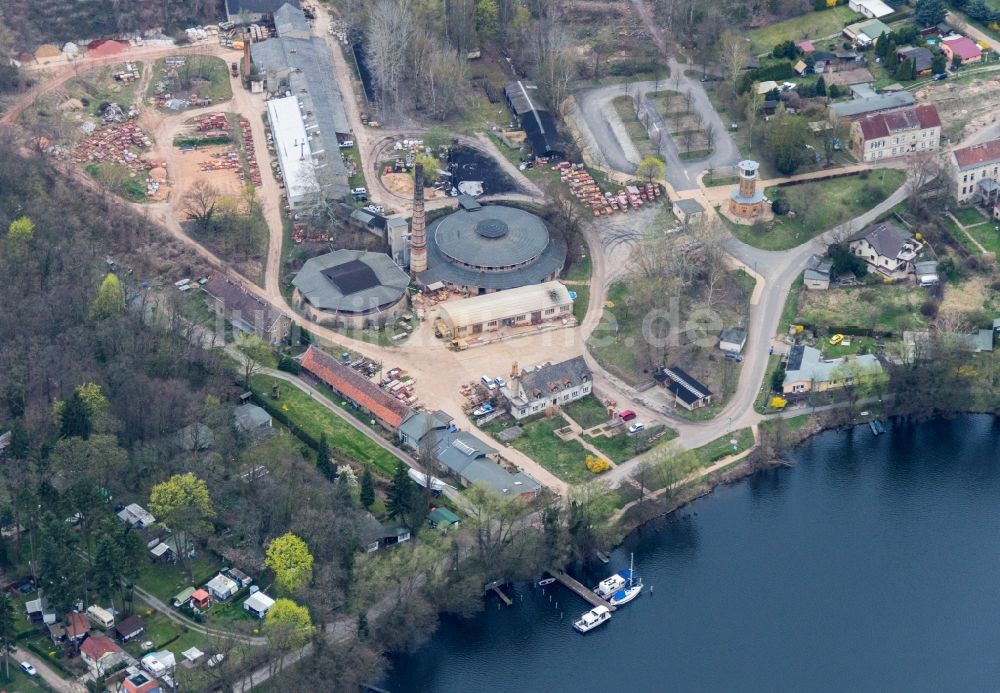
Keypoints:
pixel 592 619
pixel 631 590
pixel 608 586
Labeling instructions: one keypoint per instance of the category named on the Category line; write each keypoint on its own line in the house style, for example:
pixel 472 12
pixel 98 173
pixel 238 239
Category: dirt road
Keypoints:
pixel 47 673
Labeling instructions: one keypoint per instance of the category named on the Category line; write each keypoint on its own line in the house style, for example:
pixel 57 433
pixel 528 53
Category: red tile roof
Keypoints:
pixel 355 387
pixel 77 625
pixel 97 646
pixel 978 154
pixel 915 117
pixel 200 595
pixel 962 46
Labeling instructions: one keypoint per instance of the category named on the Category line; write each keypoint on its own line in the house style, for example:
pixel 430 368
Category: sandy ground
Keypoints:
pixel 187 171
pixel 402 184
pixel 964 297
pixel 964 107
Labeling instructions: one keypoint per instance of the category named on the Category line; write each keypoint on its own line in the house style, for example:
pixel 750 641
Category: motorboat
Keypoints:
pixel 631 590
pixel 592 619
pixel 608 586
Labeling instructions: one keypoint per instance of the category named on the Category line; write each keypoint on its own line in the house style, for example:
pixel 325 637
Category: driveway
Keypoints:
pixel 602 130
pixel 47 673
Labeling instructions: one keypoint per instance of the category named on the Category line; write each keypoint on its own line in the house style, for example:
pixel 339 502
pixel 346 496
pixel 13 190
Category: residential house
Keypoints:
pixel 442 519
pixel 536 389
pixel 733 339
pixel 361 392
pixel 475 462
pixel 77 626
pixel 238 576
pixel 922 58
pixel 870 8
pixel 895 133
pixel 805 47
pixel 161 663
pixel 801 68
pixel 817 274
pixel 222 587
pixel 688 211
pixel 927 272
pixel 961 47
pixel 887 248
pixel 246 311
pixel 101 654
pixel 200 598
pixel 129 629
pixel 140 682
pixel 136 516
pixel 685 390
pixel 258 604
pixel 974 171
pixel 372 534
pixel 867 33
pixel 418 424
pixel 38 611
pixel 249 418
pixel 867 101
pixel 807 370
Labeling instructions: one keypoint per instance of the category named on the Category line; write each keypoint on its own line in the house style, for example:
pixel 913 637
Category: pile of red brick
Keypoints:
pixel 115 144
pixel 227 160
pixel 304 232
pixel 602 203
pixel 213 122
pixel 250 152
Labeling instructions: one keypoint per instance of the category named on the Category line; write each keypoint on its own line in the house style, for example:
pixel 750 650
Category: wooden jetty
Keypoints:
pixel 579 589
pixel 503 597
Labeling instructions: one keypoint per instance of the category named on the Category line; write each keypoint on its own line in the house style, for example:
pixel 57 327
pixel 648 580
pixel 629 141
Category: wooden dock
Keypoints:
pixel 578 589
pixel 503 597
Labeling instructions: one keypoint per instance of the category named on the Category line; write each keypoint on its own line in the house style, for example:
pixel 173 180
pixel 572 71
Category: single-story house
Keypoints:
pixel 183 597
pixel 222 587
pixel 800 68
pixel 870 8
pixel 418 424
pixel 129 629
pixel 39 612
pixel 688 211
pixel 162 553
pixel 137 516
pixel 159 663
pixel 866 33
pixel 766 87
pixel 77 626
pixel 922 58
pixel 372 534
pixel 258 604
pixel 101 654
pixel 961 47
pixel 807 370
pixel 806 47
pixel 927 272
pixel 250 417
pixel 201 598
pixel 442 519
pixel 241 578
pixel 817 274
pixel 733 340
pixel 686 391
pixel 887 248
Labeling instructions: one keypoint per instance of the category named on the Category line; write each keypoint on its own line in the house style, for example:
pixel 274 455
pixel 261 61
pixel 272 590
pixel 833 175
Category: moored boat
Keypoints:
pixel 631 589
pixel 592 619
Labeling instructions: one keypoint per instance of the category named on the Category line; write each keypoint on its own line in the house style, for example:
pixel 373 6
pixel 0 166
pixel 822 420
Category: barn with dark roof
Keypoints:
pixel 352 289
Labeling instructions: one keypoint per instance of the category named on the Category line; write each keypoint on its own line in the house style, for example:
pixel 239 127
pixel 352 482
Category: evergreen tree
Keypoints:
pixel 7 632
pixel 323 463
pixel 367 488
pixel 821 86
pixel 76 417
pixel 401 496
pixel 939 64
pixel 929 12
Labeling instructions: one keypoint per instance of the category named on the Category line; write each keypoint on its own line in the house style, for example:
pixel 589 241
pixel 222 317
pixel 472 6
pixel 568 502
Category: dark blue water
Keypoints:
pixel 873 564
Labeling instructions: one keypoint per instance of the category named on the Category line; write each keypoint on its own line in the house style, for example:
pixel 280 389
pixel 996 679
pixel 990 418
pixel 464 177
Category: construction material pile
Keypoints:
pixel 222 161
pixel 214 122
pixel 115 144
pixel 250 152
pixel 603 202
pixel 309 234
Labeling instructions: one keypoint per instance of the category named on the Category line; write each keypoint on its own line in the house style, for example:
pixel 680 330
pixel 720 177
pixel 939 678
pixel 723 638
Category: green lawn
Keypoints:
pixel 614 339
pixel 887 307
pixel 581 269
pixel 587 412
pixel 791 309
pixel 793 424
pixel 565 459
pixel 988 236
pixel 968 216
pixel 635 130
pixel 166 580
pixel 760 404
pixel 582 301
pixel 819 206
pixel 204 75
pixel 960 236
pixel 119 180
pixel 811 25
pixel 315 420
pixel 722 446
pixel 857 345
pixel 622 447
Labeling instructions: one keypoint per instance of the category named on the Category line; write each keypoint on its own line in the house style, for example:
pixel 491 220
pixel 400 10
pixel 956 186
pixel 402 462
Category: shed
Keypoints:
pixel 817 273
pixel 192 654
pixel 442 518
pixel 201 598
pixel 222 587
pixel 137 516
pixel 688 211
pixel 183 597
pixel 250 417
pixel 733 339
pixel 129 629
pixel 258 604
pixel 927 272
pixel 162 553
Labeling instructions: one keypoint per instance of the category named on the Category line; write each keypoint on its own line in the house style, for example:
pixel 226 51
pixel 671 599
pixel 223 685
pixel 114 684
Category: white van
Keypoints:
pixel 100 617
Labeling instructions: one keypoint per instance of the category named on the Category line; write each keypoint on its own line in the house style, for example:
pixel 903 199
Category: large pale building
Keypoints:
pixel 975 172
pixel 554 384
pixel 535 304
pixel 896 133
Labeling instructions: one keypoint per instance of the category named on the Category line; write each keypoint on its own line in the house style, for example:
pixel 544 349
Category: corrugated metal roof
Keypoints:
pixel 506 304
pixel 323 293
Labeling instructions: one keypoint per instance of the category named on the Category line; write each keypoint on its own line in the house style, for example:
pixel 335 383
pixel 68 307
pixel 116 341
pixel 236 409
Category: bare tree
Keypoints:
pixel 389 33
pixel 199 202
pixel 926 181
pixel 709 134
pixel 734 50
pixel 688 99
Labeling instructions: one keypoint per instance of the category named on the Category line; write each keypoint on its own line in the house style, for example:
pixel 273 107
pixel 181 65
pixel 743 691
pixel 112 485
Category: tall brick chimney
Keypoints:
pixel 418 225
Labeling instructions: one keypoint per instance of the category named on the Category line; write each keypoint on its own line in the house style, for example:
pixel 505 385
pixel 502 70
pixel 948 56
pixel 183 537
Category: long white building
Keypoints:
pixel 294 150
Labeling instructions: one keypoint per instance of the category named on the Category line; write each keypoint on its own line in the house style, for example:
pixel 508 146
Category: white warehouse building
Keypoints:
pixel 294 151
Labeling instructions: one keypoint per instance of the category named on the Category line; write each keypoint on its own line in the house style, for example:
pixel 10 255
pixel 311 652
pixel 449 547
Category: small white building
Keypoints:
pixel 222 587
pixel 137 516
pixel 688 211
pixel 733 340
pixel 258 604
pixel 550 385
pixel 873 9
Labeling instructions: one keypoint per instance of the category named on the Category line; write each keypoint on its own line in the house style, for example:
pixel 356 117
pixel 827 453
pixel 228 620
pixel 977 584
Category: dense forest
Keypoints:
pixel 32 22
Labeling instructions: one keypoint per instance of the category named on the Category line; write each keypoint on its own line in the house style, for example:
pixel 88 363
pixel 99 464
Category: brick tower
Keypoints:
pixel 418 225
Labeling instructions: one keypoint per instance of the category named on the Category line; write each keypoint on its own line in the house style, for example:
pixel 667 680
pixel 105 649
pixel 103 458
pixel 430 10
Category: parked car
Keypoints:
pixel 636 427
pixel 940 75
pixel 488 382
pixel 28 669
pixel 359 191
pixel 347 144
pixel 836 339
pixel 628 415
pixel 500 382
pixel 733 356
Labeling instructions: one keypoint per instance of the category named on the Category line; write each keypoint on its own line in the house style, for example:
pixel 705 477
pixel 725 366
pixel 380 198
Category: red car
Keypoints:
pixel 627 415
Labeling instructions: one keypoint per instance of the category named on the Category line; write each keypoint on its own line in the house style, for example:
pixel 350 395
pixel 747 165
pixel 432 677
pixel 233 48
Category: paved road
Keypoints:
pixel 47 673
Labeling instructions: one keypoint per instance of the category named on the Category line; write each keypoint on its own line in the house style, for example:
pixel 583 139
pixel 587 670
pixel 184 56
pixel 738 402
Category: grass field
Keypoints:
pixel 885 307
pixel 203 75
pixel 316 420
pixel 582 301
pixel 617 332
pixel 635 130
pixel 791 309
pixel 622 447
pixel 166 580
pixel 119 180
pixel 722 446
pixel 819 206
pixel 960 236
pixel 587 412
pixel 565 459
pixel 987 235
pixel 760 404
pixel 581 269
pixel 969 216
pixel 811 25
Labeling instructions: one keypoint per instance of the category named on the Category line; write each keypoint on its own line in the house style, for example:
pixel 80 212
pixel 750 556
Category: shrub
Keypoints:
pixel 289 365
pixel 929 309
pixel 779 207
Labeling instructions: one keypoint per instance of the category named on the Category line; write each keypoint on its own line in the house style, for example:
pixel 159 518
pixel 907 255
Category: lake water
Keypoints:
pixel 873 564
